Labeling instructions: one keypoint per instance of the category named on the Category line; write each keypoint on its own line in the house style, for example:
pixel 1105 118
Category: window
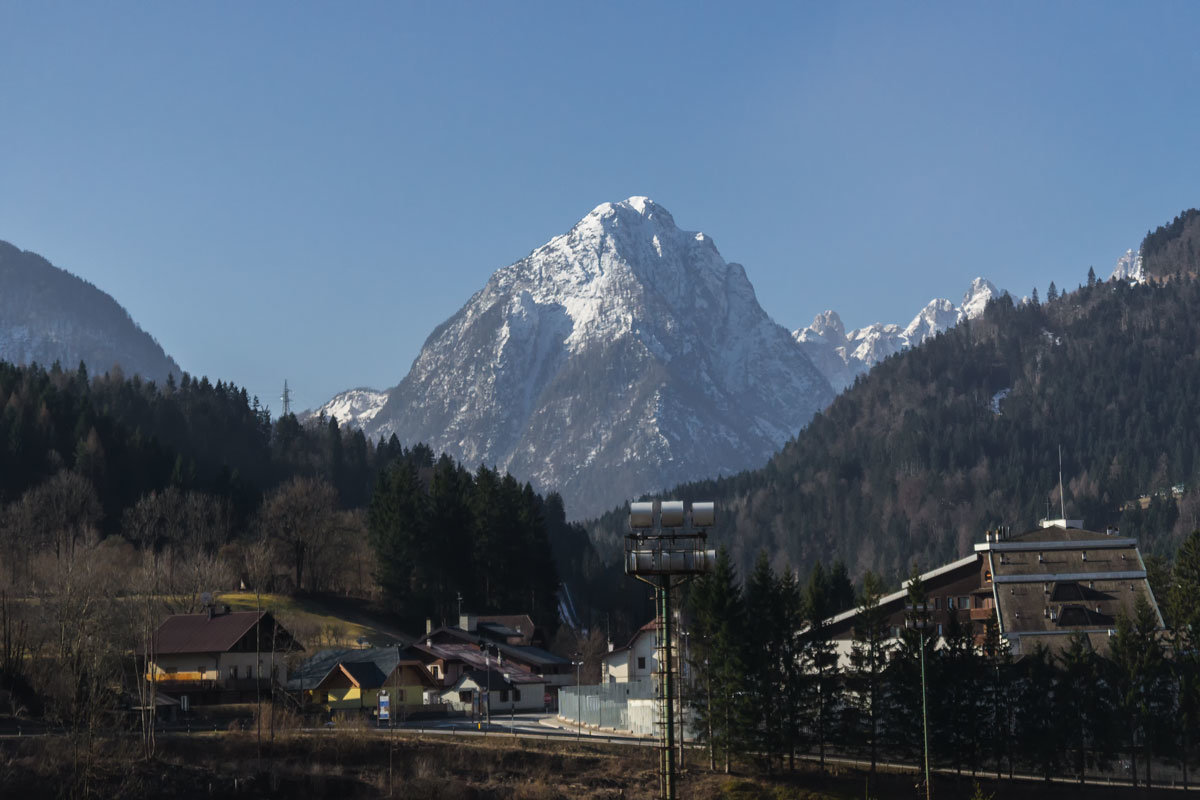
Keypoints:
pixel 233 673
pixel 939 629
pixel 964 603
pixel 249 673
pixel 950 603
pixel 987 576
pixel 516 695
pixel 464 697
pixel 400 695
pixel 937 603
pixel 436 670
pixel 641 662
pixel 504 695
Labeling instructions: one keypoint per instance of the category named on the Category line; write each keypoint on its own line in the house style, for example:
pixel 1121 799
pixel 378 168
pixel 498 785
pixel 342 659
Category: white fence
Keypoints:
pixel 631 707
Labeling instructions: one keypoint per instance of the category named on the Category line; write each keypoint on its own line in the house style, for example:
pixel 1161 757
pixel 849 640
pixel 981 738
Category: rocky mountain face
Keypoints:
pixel 48 315
pixel 620 357
pixel 843 356
pixel 1130 267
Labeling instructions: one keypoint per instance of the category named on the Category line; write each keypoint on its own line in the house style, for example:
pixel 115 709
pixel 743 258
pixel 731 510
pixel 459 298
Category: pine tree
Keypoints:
pixel 764 660
pixel 396 524
pixel 1051 293
pixel 1091 278
pixel 792 690
pixel 868 662
pixel 719 625
pixel 1038 729
pixel 1184 643
pixel 1139 666
pixel 821 661
pixel 1083 706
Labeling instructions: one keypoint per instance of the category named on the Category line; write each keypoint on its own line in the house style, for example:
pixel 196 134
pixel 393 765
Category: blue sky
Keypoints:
pixel 306 190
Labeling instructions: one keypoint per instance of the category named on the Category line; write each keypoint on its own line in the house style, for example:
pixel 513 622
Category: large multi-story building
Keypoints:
pixel 1042 586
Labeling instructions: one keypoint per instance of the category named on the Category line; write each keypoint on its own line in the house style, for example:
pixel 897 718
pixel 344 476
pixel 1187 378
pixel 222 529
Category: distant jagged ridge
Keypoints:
pixel 843 356
pixel 48 315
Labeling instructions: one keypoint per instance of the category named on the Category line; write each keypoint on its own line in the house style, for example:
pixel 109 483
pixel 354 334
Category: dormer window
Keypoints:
pixel 987 576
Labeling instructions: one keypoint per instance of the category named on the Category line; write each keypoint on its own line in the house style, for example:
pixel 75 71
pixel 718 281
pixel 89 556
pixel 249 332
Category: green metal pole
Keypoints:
pixel 668 697
pixel 924 716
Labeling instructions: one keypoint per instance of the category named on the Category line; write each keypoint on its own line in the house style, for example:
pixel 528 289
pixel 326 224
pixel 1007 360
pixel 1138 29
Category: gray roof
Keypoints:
pixel 366 662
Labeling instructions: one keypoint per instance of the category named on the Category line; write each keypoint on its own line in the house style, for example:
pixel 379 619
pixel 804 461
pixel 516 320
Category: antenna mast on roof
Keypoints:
pixel 286 398
pixel 1062 501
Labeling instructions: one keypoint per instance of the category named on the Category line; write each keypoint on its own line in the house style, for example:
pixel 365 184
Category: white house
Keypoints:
pixel 505 690
pixel 636 661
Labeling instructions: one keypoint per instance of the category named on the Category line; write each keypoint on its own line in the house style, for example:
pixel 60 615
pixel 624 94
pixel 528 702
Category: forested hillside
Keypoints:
pixel 47 315
pixel 1174 249
pixel 939 443
pixel 199 477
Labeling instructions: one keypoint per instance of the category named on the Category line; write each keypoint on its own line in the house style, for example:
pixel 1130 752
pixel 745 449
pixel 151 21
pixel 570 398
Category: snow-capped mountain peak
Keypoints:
pixel 976 298
pixel 1129 268
pixel 620 357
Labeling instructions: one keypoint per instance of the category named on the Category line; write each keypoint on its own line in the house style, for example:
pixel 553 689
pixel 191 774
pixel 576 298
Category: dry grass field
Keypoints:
pixel 363 764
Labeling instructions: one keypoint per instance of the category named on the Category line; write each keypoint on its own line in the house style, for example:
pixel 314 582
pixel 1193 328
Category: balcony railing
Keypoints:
pixel 982 614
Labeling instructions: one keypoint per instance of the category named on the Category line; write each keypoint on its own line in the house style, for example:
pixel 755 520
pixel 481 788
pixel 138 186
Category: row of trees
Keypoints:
pixel 770 683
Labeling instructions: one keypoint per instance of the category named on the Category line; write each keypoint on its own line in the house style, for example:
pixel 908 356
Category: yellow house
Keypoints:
pixel 355 685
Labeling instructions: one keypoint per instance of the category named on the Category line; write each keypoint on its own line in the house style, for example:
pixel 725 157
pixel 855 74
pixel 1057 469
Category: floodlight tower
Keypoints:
pixel 666 547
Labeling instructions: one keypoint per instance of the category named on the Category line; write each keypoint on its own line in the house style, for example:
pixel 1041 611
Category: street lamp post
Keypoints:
pixel 487 647
pixel 578 702
pixel 921 623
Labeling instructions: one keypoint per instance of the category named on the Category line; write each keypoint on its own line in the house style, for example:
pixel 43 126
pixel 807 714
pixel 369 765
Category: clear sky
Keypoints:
pixel 305 190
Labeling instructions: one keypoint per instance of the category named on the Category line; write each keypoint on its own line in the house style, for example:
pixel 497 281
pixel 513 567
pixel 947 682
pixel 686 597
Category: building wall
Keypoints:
pixel 637 663
pixel 216 667
pixel 532 698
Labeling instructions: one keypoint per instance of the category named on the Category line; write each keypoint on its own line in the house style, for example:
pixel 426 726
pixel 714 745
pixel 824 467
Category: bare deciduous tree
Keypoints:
pixel 301 519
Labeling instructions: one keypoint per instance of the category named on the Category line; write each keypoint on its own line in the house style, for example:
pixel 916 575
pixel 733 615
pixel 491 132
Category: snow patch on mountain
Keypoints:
pixel 843 356
pixel 357 406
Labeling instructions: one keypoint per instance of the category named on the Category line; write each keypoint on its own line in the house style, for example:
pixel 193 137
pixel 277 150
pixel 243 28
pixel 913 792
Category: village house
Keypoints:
pixel 503 689
pixel 450 650
pixel 219 655
pixel 355 682
pixel 636 661
pixel 1042 586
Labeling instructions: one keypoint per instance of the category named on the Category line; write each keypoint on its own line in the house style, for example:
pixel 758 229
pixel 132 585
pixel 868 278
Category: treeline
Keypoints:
pixel 769 685
pixel 927 451
pixel 449 539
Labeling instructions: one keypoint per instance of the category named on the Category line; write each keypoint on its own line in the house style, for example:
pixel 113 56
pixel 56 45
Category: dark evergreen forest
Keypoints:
pixel 940 443
pixel 201 469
